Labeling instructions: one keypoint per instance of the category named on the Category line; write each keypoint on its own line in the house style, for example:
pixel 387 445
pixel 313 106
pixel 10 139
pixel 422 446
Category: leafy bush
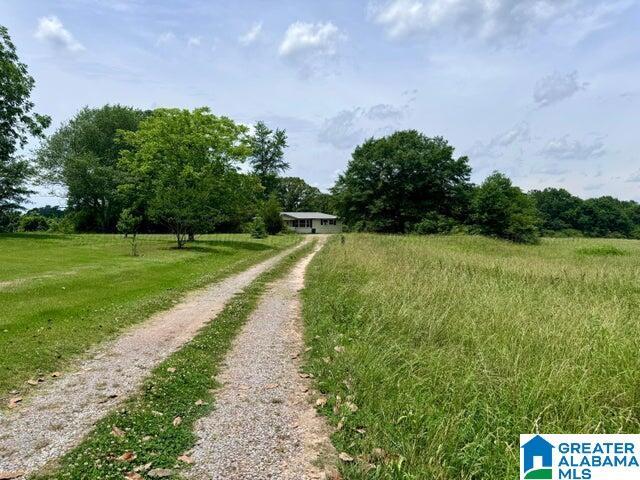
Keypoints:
pixel 503 210
pixel 33 223
pixel 128 225
pixel 9 221
pixel 434 223
pixel 601 251
pixel 257 228
pixel 271 216
pixel 62 225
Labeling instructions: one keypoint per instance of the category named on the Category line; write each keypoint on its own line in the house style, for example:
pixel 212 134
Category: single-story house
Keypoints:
pixel 311 222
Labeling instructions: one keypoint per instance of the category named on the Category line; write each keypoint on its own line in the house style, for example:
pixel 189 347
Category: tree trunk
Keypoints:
pixel 192 237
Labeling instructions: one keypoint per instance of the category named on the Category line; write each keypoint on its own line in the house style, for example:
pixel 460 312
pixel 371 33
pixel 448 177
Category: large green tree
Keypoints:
pixel 392 183
pixel 605 217
pixel 267 155
pixel 558 209
pixel 178 166
pixel 82 155
pixel 296 195
pixel 17 123
pixel 502 210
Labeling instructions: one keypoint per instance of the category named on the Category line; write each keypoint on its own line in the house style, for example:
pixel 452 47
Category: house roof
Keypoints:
pixel 307 215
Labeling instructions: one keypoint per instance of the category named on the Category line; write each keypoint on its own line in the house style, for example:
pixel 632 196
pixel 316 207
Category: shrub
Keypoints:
pixel 271 216
pixel 128 225
pixel 62 225
pixel 434 223
pixel 257 228
pixel 601 251
pixel 9 221
pixel 33 223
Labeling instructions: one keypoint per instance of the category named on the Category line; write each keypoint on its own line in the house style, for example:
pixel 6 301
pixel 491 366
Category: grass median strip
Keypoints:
pixel 150 435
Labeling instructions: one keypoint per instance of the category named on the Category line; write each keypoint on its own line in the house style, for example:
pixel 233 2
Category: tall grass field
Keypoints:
pixel 435 353
pixel 60 294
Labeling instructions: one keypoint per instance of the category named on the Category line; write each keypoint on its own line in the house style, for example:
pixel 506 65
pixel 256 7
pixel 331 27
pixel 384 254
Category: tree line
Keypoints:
pixel 410 183
pixel 129 170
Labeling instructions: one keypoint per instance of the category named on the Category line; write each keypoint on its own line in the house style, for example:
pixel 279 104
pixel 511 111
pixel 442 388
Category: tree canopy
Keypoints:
pixel 17 123
pixel 178 164
pixel 391 183
pixel 296 195
pixel 82 155
pixel 502 210
pixel 267 155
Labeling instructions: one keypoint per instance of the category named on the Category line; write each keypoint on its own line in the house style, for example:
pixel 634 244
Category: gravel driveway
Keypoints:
pixel 263 425
pixel 55 419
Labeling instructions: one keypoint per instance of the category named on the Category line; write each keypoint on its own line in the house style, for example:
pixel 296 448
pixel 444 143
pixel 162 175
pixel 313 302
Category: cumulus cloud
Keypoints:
pixel 494 20
pixel 350 127
pixel 166 37
pixel 194 41
pixel 564 148
pixel 343 130
pixel 50 29
pixel 311 45
pixel 556 87
pixel 495 147
pixel 251 35
pixel 384 111
pixel 317 38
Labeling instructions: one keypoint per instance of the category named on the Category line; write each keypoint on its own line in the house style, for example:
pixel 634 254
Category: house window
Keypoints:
pixel 328 221
pixel 305 223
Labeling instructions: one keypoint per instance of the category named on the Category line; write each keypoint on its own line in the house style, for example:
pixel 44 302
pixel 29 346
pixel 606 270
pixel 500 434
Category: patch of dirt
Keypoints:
pixel 263 425
pixel 68 406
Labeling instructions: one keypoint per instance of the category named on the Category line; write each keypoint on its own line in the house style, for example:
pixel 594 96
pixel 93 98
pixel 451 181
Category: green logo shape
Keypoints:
pixel 540 473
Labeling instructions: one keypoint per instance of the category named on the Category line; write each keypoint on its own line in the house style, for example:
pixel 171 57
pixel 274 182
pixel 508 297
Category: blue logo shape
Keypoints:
pixel 537 447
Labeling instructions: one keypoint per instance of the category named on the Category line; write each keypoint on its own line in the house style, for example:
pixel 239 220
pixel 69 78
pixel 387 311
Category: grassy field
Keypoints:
pixel 59 294
pixel 437 352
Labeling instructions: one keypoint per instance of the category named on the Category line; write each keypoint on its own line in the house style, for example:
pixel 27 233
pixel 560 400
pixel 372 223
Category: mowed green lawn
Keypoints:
pixel 453 346
pixel 59 294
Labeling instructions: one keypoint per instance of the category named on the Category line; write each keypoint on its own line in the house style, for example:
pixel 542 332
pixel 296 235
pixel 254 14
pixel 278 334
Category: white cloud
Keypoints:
pixel 50 29
pixel 495 147
pixel 311 47
pixel 194 41
pixel 165 38
pixel 384 111
pixel 491 20
pixel 311 38
pixel 565 149
pixel 556 87
pixel 251 35
pixel 342 131
pixel 350 127
pixel 634 177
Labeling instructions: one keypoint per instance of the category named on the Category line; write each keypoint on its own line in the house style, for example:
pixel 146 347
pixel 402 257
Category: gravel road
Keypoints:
pixel 56 418
pixel 263 425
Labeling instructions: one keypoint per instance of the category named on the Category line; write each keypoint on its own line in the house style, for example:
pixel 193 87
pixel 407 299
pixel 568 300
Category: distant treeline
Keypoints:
pixel 409 183
pixel 174 170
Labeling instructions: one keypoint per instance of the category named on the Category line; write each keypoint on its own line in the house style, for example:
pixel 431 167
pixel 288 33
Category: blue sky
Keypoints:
pixel 546 91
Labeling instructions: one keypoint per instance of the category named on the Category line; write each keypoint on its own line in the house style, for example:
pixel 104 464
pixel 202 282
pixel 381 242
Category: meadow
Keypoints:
pixel 60 294
pixel 436 352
